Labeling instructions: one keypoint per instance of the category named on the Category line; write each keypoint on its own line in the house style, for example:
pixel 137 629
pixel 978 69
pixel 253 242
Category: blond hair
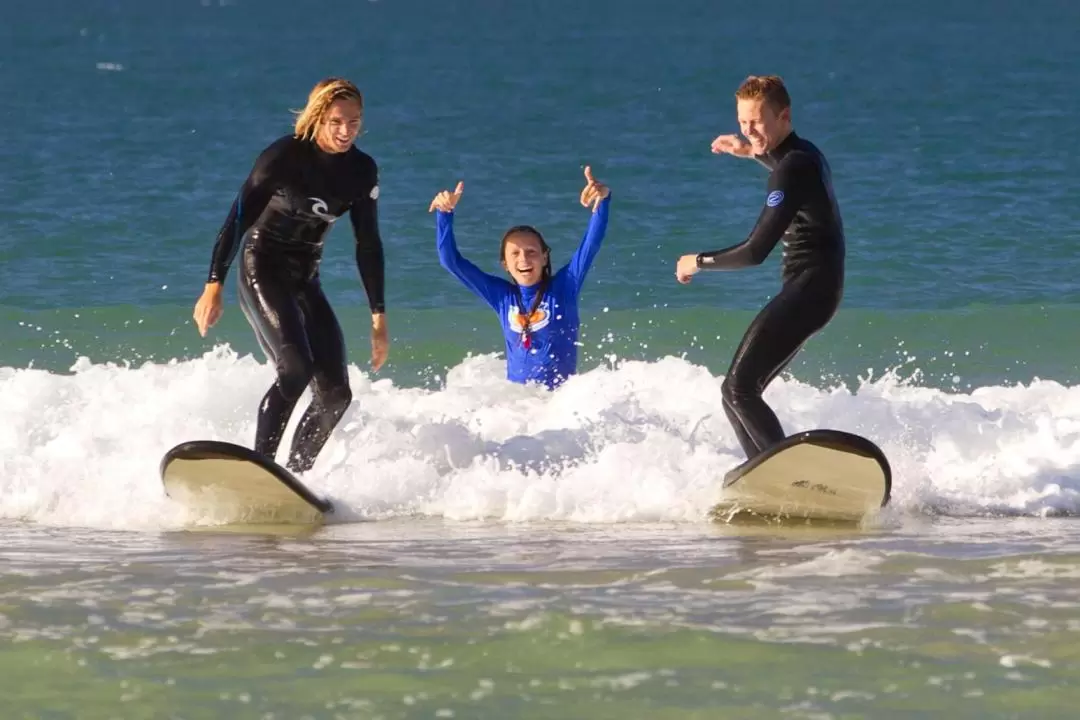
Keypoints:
pixel 321 97
pixel 769 88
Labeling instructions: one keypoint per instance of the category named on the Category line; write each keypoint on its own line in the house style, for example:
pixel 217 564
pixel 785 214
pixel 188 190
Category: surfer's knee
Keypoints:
pixel 294 370
pixel 734 392
pixel 336 400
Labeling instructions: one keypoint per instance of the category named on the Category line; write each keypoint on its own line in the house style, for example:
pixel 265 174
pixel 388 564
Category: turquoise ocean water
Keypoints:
pixel 501 551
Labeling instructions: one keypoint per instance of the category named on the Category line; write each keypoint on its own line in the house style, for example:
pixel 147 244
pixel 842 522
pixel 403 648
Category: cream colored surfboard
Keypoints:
pixel 814 475
pixel 230 484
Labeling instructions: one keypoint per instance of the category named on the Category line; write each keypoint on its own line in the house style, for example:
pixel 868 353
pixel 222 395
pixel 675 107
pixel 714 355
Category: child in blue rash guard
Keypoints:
pixel 538 311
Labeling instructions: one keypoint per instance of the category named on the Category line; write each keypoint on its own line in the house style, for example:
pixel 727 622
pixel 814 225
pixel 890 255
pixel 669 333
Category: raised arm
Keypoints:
pixel 490 288
pixel 599 196
pixel 735 145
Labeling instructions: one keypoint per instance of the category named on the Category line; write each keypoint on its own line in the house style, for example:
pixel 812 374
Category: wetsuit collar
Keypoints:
pixel 324 155
pixel 783 148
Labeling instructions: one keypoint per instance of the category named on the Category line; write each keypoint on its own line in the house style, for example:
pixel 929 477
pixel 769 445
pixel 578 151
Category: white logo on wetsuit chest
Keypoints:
pixel 321 209
pixel 775 198
pixel 540 318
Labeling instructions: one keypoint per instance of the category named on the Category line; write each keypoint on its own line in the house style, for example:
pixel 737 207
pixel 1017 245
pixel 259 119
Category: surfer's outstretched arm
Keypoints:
pixel 732 144
pixel 599 196
pixel 785 189
pixel 490 288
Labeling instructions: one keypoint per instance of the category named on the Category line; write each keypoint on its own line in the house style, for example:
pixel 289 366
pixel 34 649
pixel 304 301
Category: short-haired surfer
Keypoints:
pixel 801 209
pixel 538 311
pixel 299 186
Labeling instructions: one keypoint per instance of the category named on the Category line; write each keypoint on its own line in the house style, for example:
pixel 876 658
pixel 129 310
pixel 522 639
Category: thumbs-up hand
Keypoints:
pixel 446 200
pixel 594 191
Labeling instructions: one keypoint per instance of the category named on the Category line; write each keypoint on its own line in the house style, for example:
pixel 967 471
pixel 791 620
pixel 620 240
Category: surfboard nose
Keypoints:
pixel 229 484
pixel 817 474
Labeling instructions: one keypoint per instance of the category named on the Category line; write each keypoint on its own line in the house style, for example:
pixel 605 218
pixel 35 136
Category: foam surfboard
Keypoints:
pixel 231 484
pixel 814 475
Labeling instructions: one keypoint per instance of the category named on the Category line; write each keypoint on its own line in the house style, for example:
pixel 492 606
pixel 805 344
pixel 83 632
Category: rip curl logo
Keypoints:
pixel 374 194
pixel 775 198
pixel 320 209
pixel 541 318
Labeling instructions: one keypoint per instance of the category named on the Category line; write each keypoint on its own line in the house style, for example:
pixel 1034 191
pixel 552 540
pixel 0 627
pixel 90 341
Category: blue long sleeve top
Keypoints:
pixel 550 356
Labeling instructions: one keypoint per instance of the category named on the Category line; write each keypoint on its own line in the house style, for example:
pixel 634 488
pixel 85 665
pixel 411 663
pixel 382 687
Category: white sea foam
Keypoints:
pixel 642 442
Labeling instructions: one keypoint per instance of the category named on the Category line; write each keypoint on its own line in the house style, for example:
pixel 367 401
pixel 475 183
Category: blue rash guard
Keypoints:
pixel 551 355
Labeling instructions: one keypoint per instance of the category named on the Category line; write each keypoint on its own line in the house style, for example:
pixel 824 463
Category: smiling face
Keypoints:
pixel 525 256
pixel 764 109
pixel 340 125
pixel 332 116
pixel 762 126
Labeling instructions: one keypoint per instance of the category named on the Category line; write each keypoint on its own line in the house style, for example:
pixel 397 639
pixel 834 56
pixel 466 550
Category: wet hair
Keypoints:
pixel 769 88
pixel 321 97
pixel 528 230
pixel 545 276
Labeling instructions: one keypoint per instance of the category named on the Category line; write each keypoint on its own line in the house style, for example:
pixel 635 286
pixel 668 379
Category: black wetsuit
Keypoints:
pixel 800 208
pixel 293 195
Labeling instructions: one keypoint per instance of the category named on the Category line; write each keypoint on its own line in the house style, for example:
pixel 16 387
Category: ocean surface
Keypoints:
pixel 500 551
